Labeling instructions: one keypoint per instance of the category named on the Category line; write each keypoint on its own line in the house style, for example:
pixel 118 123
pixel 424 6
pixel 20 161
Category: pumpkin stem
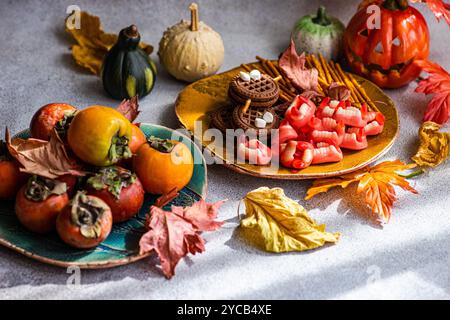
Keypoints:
pixel 132 31
pixel 194 16
pixel 395 4
pixel 321 17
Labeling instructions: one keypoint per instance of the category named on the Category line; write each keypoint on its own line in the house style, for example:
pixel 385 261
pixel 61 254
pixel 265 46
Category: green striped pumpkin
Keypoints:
pixel 127 70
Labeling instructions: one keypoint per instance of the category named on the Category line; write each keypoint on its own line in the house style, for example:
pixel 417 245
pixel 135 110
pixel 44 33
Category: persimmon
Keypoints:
pixel 50 116
pixel 120 189
pixel 137 138
pixel 10 176
pixel 85 222
pixel 100 136
pixel 163 165
pixel 39 202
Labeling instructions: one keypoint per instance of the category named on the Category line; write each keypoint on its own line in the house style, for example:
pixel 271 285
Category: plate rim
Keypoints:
pixel 107 263
pixel 298 176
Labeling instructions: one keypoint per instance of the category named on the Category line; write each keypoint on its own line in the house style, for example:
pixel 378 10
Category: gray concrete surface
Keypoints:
pixel 408 258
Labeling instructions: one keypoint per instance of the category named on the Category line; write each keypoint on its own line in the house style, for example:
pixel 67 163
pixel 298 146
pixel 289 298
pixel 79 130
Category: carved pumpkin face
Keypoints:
pixel 386 55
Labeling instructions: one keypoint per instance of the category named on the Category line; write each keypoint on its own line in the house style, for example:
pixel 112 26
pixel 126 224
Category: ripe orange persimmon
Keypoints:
pixel 162 165
pixel 85 222
pixel 137 138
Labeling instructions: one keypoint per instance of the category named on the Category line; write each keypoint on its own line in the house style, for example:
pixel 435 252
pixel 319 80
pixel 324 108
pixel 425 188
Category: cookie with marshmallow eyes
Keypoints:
pixel 260 88
pixel 258 119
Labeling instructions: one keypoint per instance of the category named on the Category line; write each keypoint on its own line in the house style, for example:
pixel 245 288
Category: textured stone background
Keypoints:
pixel 409 256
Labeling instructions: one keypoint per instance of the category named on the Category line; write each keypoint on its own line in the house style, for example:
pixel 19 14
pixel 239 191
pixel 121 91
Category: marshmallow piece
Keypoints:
pixel 244 76
pixel 268 117
pixel 334 103
pixel 255 74
pixel 260 123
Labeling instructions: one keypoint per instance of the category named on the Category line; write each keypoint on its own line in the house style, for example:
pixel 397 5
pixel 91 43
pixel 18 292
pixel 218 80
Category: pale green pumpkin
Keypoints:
pixel 319 33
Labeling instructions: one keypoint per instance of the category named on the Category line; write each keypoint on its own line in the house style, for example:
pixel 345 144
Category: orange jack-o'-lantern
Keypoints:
pixel 384 52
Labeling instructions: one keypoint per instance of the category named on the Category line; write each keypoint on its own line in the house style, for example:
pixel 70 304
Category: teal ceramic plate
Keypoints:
pixel 122 245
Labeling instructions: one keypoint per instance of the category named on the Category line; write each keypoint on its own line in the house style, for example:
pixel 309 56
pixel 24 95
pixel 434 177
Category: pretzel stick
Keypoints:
pixel 353 90
pixel 278 78
pixel 322 75
pixel 284 97
pixel 288 82
pixel 275 71
pixel 246 106
pixel 286 90
pixel 246 67
pixel 362 93
pixel 325 68
pixel 341 79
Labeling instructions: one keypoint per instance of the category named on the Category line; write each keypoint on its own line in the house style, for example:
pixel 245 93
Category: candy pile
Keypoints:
pixel 311 134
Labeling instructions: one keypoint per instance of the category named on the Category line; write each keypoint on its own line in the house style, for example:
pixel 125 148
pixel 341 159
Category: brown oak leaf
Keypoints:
pixel 44 158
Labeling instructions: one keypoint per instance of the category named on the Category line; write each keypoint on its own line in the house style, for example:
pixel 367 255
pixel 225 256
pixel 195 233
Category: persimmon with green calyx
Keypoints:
pixel 49 117
pixel 85 222
pixel 120 189
pixel 163 165
pixel 39 202
pixel 11 179
pixel 137 138
pixel 100 136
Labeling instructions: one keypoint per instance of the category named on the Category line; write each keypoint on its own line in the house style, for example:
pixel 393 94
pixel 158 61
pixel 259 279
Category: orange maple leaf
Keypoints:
pixel 438 83
pixel 376 182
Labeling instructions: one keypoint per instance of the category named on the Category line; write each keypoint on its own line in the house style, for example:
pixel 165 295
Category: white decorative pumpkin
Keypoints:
pixel 191 50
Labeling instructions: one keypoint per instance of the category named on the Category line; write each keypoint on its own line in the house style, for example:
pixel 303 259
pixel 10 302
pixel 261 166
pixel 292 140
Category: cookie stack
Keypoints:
pixel 261 89
pixel 252 96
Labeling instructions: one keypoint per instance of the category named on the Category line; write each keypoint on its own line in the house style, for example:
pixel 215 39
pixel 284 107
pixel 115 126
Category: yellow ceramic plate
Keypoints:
pixel 198 100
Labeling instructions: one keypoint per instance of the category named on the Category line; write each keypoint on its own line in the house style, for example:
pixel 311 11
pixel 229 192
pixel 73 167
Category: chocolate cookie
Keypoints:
pixel 258 119
pixel 263 92
pixel 222 119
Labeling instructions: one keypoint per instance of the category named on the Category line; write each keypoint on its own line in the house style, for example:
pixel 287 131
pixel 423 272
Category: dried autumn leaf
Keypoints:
pixel 201 215
pixel 280 224
pixel 93 43
pixel 293 67
pixel 376 182
pixel 434 145
pixel 174 234
pixel 44 158
pixel 130 108
pixel 438 83
pixel 172 237
pixel 439 8
pixel 338 92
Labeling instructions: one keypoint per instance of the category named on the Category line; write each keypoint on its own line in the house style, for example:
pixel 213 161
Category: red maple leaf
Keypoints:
pixel 440 9
pixel 201 215
pixel 174 234
pixel 172 237
pixel 437 83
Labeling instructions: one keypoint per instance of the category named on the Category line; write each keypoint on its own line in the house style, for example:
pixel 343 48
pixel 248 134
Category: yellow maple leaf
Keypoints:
pixel 434 145
pixel 93 43
pixel 376 182
pixel 280 224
